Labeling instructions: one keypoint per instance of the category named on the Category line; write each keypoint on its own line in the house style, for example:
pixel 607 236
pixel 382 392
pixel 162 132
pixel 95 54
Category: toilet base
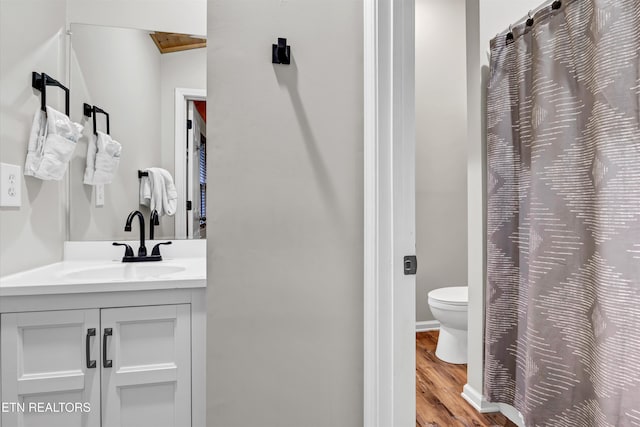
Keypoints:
pixel 452 345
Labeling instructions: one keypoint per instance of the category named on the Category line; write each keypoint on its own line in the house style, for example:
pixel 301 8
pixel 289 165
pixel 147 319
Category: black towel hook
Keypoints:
pixel 281 53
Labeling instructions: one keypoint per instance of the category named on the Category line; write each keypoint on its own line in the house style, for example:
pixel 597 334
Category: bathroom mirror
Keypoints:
pixel 152 85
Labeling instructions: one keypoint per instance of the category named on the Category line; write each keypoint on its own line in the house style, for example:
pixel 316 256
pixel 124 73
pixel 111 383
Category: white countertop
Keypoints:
pixel 97 267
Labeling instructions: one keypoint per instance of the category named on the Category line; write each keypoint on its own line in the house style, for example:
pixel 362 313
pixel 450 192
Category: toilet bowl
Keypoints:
pixel 449 307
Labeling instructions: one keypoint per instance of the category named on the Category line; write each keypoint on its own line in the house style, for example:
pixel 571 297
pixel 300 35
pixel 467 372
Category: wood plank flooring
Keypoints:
pixel 438 388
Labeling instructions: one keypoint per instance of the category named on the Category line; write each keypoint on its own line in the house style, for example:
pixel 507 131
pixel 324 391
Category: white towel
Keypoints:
pixel 158 191
pixel 103 158
pixel 36 143
pixel 51 143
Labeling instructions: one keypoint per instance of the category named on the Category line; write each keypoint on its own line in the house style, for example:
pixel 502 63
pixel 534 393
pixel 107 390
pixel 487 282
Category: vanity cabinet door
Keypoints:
pixel 45 371
pixel 146 366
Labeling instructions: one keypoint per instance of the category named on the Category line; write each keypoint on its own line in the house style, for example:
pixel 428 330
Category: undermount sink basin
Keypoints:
pixel 124 271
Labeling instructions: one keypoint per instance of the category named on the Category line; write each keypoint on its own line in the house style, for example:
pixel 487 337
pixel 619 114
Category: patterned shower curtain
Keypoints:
pixel 563 299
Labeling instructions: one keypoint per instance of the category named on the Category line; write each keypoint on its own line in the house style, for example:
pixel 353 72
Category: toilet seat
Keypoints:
pixel 453 298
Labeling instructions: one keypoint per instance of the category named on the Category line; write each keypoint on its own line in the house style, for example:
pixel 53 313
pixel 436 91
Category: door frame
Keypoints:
pixel 182 96
pixel 389 139
pixel 389 213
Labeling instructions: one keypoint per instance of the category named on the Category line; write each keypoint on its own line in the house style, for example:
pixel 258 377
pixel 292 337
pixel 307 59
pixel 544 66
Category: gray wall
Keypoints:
pixel 285 215
pixel 441 152
pixel 32 38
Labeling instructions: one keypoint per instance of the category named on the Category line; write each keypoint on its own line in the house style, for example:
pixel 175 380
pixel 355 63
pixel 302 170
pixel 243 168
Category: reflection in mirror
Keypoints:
pixel 153 87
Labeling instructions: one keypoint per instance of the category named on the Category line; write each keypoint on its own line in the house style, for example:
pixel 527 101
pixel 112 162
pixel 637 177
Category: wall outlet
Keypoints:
pixel 99 189
pixel 10 185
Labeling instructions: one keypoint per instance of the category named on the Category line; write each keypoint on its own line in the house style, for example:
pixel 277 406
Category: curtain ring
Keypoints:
pixel 509 38
pixel 530 20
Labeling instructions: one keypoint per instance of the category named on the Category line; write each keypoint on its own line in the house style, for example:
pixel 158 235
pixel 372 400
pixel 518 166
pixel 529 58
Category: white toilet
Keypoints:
pixel 449 307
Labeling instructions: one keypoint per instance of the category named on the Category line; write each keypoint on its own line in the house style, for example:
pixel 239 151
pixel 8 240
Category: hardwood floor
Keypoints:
pixel 438 388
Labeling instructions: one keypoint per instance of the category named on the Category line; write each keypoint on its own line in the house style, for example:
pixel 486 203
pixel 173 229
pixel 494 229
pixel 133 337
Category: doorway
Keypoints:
pixel 190 162
pixel 196 168
pixel 389 99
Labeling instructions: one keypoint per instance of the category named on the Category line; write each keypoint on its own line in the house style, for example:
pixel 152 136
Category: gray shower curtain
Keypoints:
pixel 563 222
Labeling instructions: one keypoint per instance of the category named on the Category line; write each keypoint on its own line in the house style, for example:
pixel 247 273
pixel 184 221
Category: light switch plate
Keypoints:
pixel 10 185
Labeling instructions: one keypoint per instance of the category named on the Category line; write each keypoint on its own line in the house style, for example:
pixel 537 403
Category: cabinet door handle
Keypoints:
pixel 91 332
pixel 107 363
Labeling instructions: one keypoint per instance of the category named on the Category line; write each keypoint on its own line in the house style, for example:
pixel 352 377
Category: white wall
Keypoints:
pixel 484 20
pixel 285 219
pixel 172 16
pixel 32 38
pixel 118 70
pixel 441 151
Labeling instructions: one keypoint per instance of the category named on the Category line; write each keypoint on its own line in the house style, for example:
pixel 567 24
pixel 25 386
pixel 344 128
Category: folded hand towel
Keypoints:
pixel 50 151
pixel 60 124
pixel 103 158
pixel 36 142
pixel 158 191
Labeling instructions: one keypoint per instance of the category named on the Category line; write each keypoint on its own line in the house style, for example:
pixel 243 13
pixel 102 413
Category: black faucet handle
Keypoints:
pixel 156 248
pixel 128 251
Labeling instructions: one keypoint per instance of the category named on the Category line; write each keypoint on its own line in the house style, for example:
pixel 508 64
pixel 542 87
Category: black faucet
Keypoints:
pixel 142 251
pixel 154 220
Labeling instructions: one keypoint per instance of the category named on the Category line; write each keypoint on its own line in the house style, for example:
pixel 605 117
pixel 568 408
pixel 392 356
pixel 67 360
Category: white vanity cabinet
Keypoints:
pixel 134 359
pixel 146 366
pixel 43 359
pixel 131 365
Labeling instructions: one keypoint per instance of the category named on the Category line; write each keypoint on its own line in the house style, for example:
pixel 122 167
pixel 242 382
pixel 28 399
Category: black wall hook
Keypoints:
pixel 281 53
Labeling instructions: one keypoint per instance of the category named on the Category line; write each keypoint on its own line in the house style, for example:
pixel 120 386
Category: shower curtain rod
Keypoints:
pixel 532 17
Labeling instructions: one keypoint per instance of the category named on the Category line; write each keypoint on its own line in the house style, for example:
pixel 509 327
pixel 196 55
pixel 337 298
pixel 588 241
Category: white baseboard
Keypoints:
pixel 478 401
pixel 512 413
pixel 427 325
pixel 481 405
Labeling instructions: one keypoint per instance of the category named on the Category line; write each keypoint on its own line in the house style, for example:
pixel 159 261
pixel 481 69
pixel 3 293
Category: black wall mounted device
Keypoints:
pixel 281 53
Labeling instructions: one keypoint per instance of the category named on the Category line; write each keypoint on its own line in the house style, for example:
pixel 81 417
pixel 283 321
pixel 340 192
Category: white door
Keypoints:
pixel 51 357
pixel 146 366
